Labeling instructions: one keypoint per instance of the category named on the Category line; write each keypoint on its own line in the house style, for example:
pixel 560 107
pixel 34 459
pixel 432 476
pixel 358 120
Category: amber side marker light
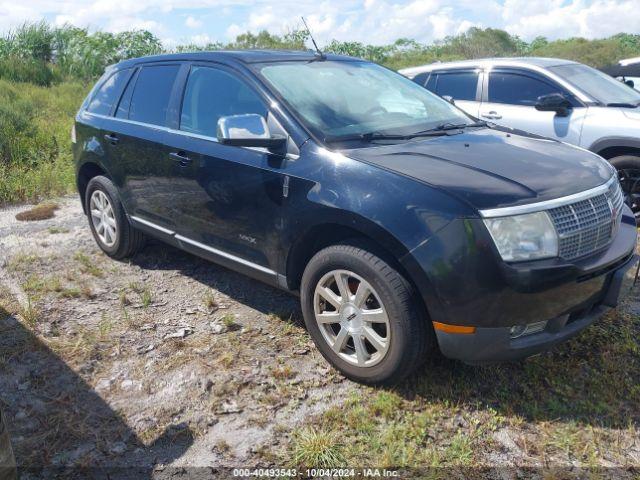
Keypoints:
pixel 445 327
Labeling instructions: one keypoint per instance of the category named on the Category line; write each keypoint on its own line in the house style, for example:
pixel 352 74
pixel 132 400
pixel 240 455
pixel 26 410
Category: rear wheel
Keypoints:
pixel 362 315
pixel 628 167
pixel 108 222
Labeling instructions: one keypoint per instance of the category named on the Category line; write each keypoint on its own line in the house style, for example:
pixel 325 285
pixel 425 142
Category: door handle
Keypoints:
pixel 492 115
pixel 112 138
pixel 181 158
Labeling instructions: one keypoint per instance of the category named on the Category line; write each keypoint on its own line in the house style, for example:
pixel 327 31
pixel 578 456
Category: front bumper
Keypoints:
pixel 489 345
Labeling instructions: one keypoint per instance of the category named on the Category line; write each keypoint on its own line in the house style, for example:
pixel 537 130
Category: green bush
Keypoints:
pixel 27 70
pixel 35 144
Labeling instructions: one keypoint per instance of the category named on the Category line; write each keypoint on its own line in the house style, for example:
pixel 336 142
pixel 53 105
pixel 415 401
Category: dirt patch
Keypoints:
pixel 44 211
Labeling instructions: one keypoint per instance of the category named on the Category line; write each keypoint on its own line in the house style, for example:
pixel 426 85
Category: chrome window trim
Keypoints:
pixel 184 133
pixel 202 246
pixel 548 204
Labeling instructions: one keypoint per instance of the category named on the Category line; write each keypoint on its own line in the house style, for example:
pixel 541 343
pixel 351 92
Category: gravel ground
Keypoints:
pixel 162 360
pixel 167 362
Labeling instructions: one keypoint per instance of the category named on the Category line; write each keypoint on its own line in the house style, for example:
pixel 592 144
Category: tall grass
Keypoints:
pixel 35 143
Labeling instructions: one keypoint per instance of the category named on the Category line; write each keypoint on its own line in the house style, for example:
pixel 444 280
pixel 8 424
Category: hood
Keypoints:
pixel 490 168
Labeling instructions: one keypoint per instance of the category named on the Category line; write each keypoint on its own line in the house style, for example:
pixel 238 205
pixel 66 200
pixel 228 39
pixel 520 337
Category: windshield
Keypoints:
pixel 345 99
pixel 600 86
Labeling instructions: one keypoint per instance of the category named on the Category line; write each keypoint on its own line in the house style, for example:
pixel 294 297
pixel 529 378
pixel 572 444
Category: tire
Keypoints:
pixel 125 241
pixel 628 167
pixel 405 334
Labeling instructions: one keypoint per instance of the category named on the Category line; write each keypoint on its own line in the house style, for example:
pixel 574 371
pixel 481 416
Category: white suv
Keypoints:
pixel 554 98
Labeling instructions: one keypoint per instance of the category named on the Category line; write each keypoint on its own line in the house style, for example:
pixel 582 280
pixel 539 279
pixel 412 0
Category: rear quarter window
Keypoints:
pixel 108 93
pixel 421 78
pixel 152 94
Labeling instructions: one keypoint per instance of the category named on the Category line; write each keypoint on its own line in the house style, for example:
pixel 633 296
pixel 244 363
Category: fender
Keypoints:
pixel 608 142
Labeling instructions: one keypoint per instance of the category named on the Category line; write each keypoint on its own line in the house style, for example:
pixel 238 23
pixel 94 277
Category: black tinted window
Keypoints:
pixel 125 101
pixel 213 93
pixel 108 93
pixel 516 89
pixel 421 78
pixel 152 94
pixel 459 86
pixel 431 83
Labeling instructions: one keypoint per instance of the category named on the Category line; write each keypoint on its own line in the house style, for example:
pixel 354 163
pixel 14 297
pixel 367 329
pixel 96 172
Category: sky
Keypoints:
pixel 368 21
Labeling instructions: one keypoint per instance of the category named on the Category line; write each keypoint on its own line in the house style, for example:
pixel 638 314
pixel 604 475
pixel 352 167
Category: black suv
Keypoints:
pixel 404 224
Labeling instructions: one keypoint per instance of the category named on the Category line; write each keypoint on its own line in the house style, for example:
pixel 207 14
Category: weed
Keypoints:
pixel 87 265
pixel 210 302
pixel 318 449
pixel 229 320
pixel 146 298
pixel 30 313
pixel 54 230
pixel 283 372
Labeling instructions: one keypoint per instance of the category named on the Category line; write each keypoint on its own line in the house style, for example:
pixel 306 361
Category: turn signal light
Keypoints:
pixel 461 329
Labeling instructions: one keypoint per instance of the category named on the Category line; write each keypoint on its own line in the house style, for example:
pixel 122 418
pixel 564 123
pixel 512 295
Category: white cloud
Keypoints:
pixel 192 22
pixel 595 19
pixel 368 21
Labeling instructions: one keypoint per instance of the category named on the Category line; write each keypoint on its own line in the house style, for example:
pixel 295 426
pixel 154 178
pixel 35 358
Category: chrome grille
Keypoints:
pixel 588 225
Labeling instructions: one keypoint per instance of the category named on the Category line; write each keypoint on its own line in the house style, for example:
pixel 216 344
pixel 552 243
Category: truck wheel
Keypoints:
pixel 628 167
pixel 362 315
pixel 109 223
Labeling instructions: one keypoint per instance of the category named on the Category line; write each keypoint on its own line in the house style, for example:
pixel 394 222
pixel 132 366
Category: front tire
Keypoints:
pixel 108 221
pixel 362 315
pixel 628 167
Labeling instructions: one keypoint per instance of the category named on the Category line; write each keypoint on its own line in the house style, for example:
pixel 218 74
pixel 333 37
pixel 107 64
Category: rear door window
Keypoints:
pixel 458 85
pixel 517 89
pixel 108 93
pixel 212 93
pixel 152 94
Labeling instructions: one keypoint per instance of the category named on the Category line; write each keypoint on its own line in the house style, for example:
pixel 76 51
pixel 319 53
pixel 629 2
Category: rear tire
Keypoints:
pixel 628 167
pixel 377 338
pixel 108 221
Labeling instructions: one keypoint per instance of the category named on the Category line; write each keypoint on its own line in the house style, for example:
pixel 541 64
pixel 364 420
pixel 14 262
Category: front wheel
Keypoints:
pixel 362 315
pixel 628 167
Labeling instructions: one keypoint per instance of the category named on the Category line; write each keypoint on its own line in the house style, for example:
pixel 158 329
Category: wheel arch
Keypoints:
pixel 372 237
pixel 86 172
pixel 610 147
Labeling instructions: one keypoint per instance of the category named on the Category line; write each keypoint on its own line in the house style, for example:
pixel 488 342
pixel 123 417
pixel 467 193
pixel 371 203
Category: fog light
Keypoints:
pixel 522 330
pixel 517 331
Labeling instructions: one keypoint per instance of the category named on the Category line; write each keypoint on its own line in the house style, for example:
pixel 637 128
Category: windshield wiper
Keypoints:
pixel 457 126
pixel 440 130
pixel 622 105
pixel 370 136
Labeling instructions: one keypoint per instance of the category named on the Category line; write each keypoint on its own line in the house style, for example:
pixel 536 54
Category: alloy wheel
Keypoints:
pixel 103 218
pixel 351 317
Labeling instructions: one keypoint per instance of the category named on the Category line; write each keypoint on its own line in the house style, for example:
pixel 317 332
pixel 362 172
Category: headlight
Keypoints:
pixel 524 237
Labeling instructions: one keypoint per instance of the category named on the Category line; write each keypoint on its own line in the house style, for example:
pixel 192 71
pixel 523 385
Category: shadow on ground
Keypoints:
pixel 60 427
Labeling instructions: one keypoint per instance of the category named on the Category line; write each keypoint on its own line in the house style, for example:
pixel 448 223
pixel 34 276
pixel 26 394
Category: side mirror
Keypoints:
pixel 554 102
pixel 630 83
pixel 250 130
pixel 449 99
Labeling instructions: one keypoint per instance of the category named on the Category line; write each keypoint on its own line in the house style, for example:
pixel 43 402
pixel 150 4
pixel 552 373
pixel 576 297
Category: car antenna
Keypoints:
pixel 318 51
